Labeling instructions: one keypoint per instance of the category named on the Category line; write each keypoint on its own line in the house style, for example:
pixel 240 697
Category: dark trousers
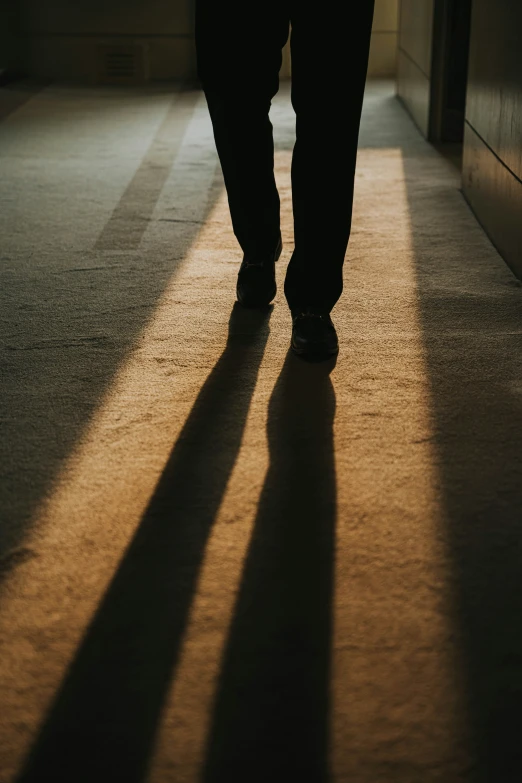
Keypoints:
pixel 239 45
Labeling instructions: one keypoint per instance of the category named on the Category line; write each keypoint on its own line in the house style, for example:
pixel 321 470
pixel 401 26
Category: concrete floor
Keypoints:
pixel 219 563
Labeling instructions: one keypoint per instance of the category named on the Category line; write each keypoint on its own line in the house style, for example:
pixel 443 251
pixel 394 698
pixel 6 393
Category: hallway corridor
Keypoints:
pixel 219 564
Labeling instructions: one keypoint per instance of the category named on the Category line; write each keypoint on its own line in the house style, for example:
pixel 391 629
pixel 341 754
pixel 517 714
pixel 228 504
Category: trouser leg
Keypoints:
pixel 239 45
pixel 329 65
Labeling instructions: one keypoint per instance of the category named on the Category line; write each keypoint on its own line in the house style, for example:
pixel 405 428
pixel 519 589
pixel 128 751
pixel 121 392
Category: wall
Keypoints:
pixel 64 38
pixel 383 49
pixel 414 59
pixel 11 55
pixel 492 172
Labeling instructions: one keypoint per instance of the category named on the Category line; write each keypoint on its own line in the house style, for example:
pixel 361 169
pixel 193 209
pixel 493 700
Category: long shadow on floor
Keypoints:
pixel 471 319
pixel 271 715
pixel 103 723
pixel 68 321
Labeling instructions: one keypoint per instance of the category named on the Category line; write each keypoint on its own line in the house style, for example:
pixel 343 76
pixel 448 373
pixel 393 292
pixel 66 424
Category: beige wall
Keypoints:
pixel 67 40
pixel 414 58
pixel 383 50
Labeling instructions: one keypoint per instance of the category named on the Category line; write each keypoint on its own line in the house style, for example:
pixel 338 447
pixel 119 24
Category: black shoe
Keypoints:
pixel 256 283
pixel 313 335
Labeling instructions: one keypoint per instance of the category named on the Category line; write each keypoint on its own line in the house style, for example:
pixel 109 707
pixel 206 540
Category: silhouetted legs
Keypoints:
pixel 329 64
pixel 239 56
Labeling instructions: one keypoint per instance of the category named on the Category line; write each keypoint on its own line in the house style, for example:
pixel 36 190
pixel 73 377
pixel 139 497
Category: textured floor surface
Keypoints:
pixel 218 563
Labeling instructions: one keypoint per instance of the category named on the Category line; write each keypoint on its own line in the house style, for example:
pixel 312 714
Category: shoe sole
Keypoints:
pixel 314 356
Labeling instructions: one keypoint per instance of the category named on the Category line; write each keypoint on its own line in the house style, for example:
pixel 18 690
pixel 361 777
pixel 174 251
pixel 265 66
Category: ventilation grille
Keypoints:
pixel 122 64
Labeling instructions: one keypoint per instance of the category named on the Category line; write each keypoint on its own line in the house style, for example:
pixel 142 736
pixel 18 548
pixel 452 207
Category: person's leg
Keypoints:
pixel 329 65
pixel 239 46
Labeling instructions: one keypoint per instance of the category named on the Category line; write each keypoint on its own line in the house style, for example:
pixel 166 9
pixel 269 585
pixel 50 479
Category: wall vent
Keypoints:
pixel 122 64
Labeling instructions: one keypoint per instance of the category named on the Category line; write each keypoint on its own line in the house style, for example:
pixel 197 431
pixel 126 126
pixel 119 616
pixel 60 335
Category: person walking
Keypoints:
pixel 239 54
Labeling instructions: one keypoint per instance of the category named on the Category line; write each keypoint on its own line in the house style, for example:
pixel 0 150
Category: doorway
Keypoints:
pixel 451 34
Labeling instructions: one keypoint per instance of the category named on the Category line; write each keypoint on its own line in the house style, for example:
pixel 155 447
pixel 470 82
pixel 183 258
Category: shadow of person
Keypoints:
pixel 103 722
pixel 71 318
pixel 271 714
